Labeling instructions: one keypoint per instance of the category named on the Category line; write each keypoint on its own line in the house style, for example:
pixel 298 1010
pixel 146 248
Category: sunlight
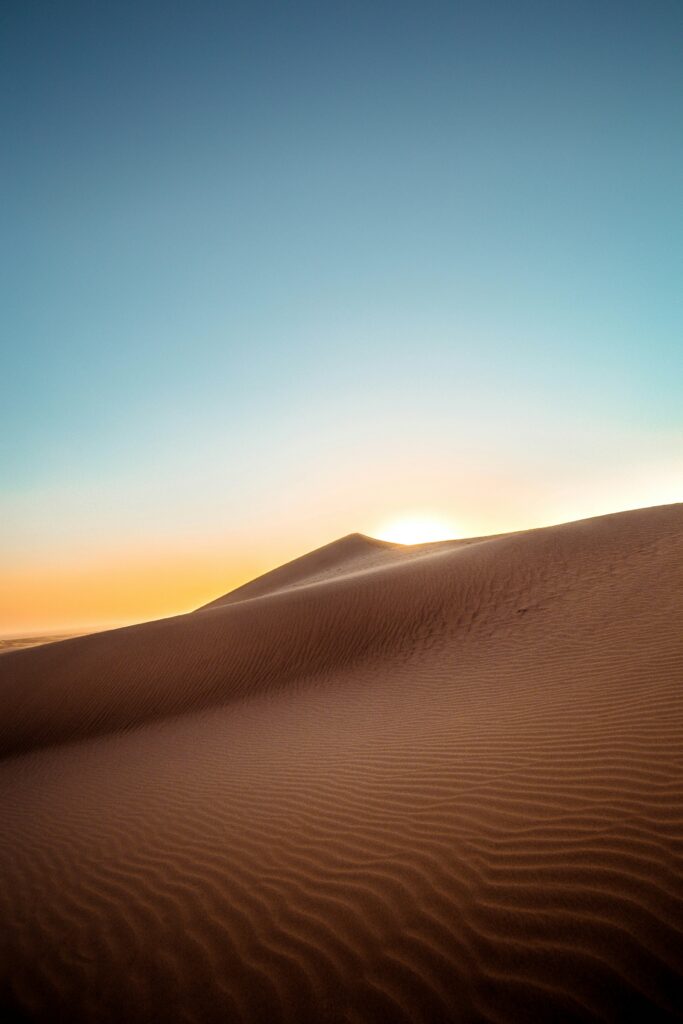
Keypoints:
pixel 417 530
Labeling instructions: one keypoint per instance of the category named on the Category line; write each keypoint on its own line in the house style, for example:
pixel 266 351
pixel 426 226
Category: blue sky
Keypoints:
pixel 254 255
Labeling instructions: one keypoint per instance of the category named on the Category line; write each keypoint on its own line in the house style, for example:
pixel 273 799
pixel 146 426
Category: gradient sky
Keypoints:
pixel 272 273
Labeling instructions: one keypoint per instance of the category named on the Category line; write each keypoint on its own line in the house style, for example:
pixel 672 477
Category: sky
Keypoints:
pixel 274 273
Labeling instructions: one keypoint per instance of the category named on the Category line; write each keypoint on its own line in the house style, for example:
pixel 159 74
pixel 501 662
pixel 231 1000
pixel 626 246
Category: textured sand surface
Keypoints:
pixel 389 784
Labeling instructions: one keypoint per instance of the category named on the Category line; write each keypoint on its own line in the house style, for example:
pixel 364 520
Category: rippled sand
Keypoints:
pixel 380 784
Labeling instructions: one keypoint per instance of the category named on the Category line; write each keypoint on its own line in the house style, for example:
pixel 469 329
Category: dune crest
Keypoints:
pixel 436 783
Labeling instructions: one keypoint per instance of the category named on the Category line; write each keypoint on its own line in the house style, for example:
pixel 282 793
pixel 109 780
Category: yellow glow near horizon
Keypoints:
pixel 115 588
pixel 417 530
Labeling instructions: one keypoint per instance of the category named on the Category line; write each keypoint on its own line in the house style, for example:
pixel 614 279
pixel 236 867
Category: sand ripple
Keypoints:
pixel 439 784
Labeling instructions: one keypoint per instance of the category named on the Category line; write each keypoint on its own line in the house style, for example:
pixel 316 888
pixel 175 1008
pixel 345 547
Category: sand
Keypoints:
pixel 14 643
pixel 380 784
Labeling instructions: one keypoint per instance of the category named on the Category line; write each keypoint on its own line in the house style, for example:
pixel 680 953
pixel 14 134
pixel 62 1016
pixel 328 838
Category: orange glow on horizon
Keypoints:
pixel 113 590
pixel 74 587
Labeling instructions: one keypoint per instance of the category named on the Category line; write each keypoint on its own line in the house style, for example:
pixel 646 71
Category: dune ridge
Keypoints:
pixel 439 783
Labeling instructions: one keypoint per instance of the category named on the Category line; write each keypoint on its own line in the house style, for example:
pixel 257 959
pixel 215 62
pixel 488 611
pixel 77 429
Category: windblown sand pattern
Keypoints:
pixel 379 784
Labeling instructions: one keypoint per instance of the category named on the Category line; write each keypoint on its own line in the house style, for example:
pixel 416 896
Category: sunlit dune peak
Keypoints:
pixel 416 530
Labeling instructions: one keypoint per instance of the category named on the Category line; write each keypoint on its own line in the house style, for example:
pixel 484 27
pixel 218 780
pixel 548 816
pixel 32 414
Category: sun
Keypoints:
pixel 416 529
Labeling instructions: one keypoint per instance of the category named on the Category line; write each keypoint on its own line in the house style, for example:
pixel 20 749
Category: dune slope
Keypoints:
pixel 428 784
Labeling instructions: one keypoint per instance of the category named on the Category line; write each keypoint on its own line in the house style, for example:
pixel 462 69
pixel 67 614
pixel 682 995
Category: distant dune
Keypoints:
pixel 14 643
pixel 441 783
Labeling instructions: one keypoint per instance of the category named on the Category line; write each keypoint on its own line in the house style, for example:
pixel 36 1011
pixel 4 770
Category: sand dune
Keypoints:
pixel 14 643
pixel 379 784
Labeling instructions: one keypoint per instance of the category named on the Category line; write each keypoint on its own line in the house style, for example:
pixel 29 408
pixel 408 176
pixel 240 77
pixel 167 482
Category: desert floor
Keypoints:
pixel 379 784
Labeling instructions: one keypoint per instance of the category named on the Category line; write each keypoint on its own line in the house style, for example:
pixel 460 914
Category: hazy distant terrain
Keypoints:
pixel 15 643
pixel 379 784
